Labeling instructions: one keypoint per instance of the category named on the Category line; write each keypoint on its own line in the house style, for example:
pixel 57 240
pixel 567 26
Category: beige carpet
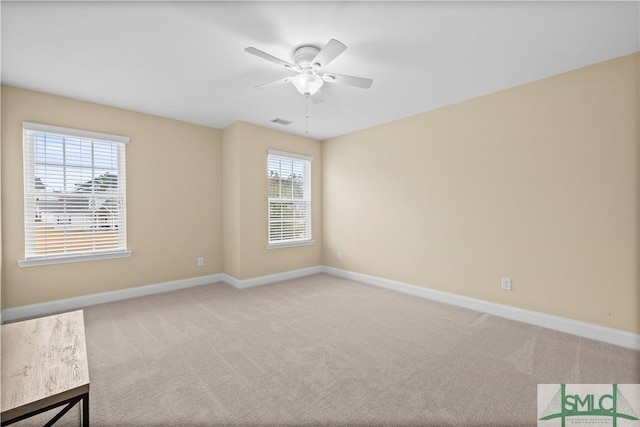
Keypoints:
pixel 325 351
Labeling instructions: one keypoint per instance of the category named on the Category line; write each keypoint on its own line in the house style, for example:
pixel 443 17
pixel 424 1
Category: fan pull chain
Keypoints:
pixel 306 130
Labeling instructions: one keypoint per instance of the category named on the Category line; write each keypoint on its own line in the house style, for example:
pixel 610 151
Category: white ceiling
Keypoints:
pixel 186 60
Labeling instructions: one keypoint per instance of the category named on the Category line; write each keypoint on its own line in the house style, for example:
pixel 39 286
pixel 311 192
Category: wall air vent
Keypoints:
pixel 281 122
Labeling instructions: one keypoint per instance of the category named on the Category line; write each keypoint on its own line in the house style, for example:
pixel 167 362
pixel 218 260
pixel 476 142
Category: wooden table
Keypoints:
pixel 44 366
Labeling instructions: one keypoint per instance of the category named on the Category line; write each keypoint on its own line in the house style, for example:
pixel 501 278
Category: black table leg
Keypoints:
pixel 70 403
pixel 85 410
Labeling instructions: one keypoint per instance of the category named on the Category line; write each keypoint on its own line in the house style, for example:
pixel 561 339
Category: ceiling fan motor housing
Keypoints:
pixel 303 56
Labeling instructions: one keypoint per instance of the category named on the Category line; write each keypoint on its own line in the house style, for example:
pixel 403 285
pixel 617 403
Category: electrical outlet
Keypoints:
pixel 340 255
pixel 200 261
pixel 505 283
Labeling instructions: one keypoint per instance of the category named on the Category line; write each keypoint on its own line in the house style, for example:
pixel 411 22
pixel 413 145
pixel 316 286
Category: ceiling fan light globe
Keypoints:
pixel 307 83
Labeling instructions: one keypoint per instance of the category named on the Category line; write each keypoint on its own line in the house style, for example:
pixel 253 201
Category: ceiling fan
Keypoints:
pixel 309 62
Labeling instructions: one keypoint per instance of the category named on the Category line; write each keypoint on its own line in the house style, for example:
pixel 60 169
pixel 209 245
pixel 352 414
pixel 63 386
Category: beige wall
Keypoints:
pixel 538 183
pixel 174 187
pixel 231 199
pixel 245 195
pixel 1 287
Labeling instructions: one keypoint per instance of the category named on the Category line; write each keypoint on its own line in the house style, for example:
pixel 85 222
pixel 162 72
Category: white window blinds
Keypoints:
pixel 75 192
pixel 289 178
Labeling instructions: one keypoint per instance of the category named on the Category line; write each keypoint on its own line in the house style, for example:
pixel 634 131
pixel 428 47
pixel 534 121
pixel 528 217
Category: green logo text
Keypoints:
pixel 612 405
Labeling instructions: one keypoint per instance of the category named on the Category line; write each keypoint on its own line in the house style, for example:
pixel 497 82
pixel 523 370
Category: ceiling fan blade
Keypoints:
pixel 318 97
pixel 329 53
pixel 348 80
pixel 274 83
pixel 271 58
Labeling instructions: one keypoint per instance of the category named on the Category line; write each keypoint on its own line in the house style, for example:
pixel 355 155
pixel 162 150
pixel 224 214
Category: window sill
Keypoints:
pixel 290 244
pixel 34 262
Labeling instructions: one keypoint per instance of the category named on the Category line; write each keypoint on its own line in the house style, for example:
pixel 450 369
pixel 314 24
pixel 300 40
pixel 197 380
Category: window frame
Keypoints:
pixel 31 210
pixel 307 160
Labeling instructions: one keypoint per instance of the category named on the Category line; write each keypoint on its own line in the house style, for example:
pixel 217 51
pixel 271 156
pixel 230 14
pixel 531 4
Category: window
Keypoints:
pixel 289 178
pixel 74 195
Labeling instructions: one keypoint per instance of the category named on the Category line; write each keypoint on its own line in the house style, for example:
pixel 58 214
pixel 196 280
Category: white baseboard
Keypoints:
pixel 67 304
pixel 272 278
pixel 557 323
pixel 561 324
